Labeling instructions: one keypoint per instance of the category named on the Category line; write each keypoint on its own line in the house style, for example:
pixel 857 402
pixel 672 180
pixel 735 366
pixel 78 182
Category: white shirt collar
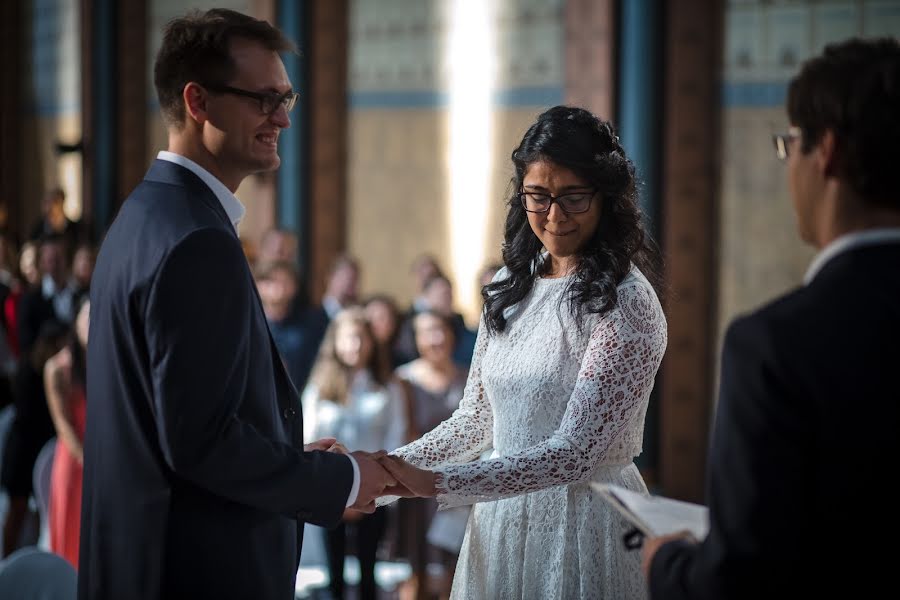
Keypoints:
pixel 869 237
pixel 232 206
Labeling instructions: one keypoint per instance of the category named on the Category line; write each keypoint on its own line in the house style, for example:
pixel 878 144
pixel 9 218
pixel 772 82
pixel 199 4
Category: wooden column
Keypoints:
pixel 12 26
pixel 131 133
pixel 327 92
pixel 590 44
pixel 114 105
pixel 690 186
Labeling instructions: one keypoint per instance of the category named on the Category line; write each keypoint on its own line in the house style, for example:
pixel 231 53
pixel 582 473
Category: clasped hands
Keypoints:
pixel 381 474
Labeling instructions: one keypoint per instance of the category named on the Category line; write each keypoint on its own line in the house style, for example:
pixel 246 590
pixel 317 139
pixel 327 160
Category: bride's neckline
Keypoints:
pixel 565 277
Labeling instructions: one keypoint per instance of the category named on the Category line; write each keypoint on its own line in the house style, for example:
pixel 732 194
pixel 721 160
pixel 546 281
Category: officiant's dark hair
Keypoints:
pixel 588 146
pixel 853 90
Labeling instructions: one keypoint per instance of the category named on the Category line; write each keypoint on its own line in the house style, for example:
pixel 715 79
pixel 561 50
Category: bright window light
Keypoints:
pixel 471 53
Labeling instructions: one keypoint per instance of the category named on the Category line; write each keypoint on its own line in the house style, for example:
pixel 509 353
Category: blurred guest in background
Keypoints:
pixel 349 399
pixel 437 296
pixel 296 330
pixel 423 268
pixel 435 383
pixel 64 385
pixel 384 318
pixel 30 430
pixel 342 287
pixel 28 264
pixel 54 222
pixel 277 245
pixel 82 270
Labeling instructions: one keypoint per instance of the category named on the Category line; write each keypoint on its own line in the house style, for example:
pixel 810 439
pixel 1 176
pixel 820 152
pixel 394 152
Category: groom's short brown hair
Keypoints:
pixel 195 47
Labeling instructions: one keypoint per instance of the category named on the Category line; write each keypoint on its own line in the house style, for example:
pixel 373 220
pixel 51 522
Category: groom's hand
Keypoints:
pixel 411 481
pixel 323 444
pixel 373 480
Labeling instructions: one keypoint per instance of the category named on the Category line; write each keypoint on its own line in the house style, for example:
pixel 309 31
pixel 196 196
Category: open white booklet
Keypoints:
pixel 656 515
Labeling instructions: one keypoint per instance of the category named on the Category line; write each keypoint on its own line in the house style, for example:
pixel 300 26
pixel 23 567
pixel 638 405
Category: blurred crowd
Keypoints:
pixel 374 376
pixel 368 372
pixel 44 287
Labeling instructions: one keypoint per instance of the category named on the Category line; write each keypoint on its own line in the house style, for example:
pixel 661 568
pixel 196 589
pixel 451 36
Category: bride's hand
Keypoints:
pixel 411 481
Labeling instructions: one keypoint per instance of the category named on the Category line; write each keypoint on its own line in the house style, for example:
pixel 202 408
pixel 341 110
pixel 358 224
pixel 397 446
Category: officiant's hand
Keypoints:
pixel 651 545
pixel 412 481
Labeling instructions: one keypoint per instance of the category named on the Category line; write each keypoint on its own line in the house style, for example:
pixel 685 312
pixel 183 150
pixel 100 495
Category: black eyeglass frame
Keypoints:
pixel 287 99
pixel 556 199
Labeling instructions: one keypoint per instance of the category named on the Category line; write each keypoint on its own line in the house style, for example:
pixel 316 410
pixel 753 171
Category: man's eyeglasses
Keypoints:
pixel 782 142
pixel 576 202
pixel 268 101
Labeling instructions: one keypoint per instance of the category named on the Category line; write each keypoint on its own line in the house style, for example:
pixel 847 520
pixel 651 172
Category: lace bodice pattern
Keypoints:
pixel 555 401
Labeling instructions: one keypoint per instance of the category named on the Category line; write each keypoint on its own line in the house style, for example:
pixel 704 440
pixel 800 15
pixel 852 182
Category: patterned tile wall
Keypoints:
pixel 52 110
pixel 398 177
pixel 760 255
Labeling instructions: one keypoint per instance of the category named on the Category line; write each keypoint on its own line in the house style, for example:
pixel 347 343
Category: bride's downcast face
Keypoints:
pixel 562 234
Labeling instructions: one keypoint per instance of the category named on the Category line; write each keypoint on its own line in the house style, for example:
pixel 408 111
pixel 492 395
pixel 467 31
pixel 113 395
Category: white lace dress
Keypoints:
pixel 561 407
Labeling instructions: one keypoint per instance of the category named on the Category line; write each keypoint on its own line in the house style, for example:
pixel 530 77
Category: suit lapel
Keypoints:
pixel 163 171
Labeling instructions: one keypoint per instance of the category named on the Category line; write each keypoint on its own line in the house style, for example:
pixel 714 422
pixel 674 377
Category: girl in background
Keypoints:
pixel 64 383
pixel 350 398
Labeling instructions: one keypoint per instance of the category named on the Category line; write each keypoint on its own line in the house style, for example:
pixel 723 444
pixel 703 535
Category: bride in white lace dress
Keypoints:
pixel 569 344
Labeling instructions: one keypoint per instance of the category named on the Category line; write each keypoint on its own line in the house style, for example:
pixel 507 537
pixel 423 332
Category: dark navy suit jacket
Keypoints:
pixel 195 482
pixel 807 435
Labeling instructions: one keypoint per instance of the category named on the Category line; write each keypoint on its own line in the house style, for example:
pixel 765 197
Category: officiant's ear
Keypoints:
pixel 633 540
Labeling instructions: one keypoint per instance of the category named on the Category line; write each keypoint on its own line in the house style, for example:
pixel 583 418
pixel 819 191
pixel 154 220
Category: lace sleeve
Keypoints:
pixel 466 434
pixel 614 381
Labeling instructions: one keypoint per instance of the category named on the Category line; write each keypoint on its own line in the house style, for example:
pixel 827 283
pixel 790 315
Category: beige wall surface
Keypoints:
pixel 407 194
pixel 399 202
pixel 760 255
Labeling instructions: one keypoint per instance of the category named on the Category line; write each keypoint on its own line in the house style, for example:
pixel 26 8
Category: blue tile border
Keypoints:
pixel 432 99
pixel 764 94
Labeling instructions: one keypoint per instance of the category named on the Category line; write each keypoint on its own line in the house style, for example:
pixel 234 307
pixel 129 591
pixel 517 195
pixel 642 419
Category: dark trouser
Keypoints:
pixel 369 530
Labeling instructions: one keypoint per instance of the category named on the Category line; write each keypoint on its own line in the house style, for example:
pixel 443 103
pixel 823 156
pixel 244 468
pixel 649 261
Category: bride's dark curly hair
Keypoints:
pixel 576 139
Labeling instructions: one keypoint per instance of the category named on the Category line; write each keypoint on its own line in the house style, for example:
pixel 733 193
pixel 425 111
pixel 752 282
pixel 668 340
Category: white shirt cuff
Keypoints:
pixel 354 489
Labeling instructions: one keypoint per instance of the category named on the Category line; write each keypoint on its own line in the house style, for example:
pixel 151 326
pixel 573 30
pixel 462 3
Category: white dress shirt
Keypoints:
pixel 232 206
pixel 236 211
pixel 868 237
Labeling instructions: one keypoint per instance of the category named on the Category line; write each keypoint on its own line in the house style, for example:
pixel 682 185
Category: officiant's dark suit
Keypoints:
pixel 196 484
pixel 807 431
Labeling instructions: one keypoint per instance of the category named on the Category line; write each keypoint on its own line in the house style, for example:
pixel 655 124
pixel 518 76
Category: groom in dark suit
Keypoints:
pixel 196 481
pixel 807 432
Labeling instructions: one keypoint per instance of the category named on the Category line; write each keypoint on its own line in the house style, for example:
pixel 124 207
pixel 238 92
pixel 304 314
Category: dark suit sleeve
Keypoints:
pixel 198 321
pixel 759 473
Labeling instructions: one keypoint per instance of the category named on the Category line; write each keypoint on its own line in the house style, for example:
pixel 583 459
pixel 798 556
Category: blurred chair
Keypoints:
pixel 43 467
pixel 7 414
pixel 33 574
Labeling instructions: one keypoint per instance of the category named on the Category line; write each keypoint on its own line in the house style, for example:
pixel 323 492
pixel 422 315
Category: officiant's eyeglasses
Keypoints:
pixel 268 101
pixel 783 141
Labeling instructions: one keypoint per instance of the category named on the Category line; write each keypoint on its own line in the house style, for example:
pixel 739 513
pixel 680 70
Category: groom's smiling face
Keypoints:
pixel 242 137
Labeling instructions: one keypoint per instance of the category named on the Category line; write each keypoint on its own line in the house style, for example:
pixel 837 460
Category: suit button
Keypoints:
pixel 289 412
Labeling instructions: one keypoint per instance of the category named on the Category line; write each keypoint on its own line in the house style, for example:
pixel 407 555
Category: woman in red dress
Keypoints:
pixel 64 377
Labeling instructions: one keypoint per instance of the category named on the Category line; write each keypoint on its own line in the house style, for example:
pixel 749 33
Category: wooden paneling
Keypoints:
pixel 11 82
pixel 590 42
pixel 690 185
pixel 327 63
